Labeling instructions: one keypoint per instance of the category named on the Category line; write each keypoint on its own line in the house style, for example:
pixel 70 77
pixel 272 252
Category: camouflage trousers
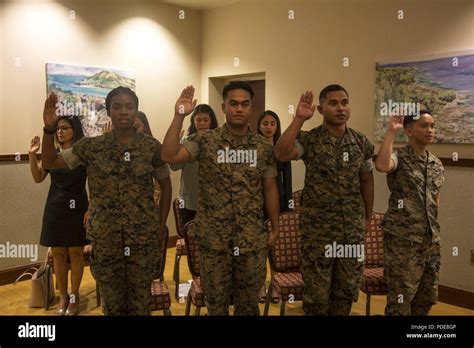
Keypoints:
pixel 411 271
pixel 228 279
pixel 331 283
pixel 124 281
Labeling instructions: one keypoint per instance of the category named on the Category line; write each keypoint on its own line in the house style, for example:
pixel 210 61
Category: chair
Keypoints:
pixel 87 259
pixel 296 196
pixel 195 294
pixel 160 294
pixel 180 243
pixel 373 282
pixel 284 259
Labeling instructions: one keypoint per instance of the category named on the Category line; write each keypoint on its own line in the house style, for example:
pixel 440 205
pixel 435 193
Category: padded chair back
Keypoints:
pixel 285 254
pixel 296 196
pixel 178 217
pixel 374 242
pixel 192 249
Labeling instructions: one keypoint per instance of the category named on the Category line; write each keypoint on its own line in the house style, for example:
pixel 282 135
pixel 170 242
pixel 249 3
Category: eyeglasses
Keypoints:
pixel 62 129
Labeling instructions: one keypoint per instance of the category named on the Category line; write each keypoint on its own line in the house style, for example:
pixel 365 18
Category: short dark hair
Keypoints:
pixel 117 91
pixel 331 88
pixel 146 126
pixel 76 125
pixel 407 120
pixel 202 109
pixel 273 114
pixel 237 85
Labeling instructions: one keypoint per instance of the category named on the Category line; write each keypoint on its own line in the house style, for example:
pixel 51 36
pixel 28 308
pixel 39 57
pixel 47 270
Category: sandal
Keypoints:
pixel 73 307
pixel 61 310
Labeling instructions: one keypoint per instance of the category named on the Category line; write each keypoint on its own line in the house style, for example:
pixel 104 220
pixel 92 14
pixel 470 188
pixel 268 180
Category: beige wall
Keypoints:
pixel 146 37
pixel 307 52
pixel 167 54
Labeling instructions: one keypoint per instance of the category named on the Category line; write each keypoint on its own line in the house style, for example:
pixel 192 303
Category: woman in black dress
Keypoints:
pixel 63 219
pixel 268 125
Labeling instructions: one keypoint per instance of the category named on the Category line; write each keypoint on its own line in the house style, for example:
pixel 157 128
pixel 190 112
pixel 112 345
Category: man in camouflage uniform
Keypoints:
pixel 123 225
pixel 229 221
pixel 411 229
pixel 337 197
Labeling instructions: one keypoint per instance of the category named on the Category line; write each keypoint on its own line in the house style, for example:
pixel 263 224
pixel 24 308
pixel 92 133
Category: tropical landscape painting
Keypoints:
pixel 443 85
pixel 82 92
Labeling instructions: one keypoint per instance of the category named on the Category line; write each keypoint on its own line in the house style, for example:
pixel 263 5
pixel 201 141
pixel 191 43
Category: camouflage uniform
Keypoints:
pixel 332 211
pixel 229 220
pixel 123 225
pixel 412 233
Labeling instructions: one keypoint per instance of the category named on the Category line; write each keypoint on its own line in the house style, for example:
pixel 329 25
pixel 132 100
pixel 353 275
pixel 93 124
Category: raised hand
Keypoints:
pixel 185 103
pixel 34 145
pixel 107 127
pixel 395 123
pixel 306 108
pixel 50 117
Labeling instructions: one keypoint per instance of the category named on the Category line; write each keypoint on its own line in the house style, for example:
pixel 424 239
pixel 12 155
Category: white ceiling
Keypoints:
pixel 200 4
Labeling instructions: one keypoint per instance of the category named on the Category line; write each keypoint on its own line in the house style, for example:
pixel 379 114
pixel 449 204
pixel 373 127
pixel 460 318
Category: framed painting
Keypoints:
pixel 82 91
pixel 443 84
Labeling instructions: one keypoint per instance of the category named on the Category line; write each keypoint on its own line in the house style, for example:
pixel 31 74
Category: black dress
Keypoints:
pixel 65 208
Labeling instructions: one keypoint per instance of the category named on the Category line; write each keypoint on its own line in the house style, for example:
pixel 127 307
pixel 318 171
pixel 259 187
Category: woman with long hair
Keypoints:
pixel 64 214
pixel 268 125
pixel 203 118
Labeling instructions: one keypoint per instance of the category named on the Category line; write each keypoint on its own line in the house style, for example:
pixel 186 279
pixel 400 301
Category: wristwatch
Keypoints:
pixel 48 131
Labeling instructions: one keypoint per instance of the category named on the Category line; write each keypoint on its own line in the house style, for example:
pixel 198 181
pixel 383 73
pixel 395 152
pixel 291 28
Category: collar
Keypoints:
pixel 251 138
pixel 112 140
pixel 347 138
pixel 418 158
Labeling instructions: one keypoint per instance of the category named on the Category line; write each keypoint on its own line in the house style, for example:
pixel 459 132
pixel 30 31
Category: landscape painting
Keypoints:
pixel 82 92
pixel 443 85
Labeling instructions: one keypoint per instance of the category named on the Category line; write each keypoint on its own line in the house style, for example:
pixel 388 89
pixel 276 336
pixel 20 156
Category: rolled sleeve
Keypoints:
pixel 71 158
pixel 300 149
pixel 161 172
pixel 270 171
pixel 394 158
pixel 368 166
pixel 193 149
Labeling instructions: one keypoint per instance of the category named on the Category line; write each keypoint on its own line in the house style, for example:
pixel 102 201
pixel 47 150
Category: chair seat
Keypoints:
pixel 181 247
pixel 160 296
pixel 289 284
pixel 374 281
pixel 197 295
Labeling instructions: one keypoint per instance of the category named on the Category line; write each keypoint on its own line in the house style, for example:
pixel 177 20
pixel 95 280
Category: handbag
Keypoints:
pixel 42 285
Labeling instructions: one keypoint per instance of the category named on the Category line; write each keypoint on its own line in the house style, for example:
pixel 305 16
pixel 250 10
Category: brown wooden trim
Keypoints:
pixel 461 162
pixel 9 275
pixel 448 162
pixel 456 297
pixel 12 158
